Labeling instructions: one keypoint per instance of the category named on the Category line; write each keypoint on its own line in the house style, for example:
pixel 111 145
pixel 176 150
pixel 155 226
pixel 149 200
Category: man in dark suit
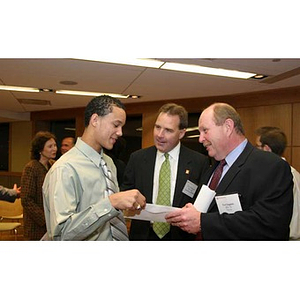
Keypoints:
pixel 260 182
pixel 143 168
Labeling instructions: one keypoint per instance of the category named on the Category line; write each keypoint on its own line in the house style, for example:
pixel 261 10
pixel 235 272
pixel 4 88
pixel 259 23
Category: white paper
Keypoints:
pixel 228 203
pixel 204 198
pixel 151 212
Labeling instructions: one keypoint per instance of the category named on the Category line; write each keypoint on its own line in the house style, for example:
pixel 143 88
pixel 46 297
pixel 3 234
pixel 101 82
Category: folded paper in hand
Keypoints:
pixel 204 198
pixel 151 212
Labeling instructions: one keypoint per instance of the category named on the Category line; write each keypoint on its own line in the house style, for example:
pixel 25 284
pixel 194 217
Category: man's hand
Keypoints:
pixel 187 218
pixel 17 189
pixel 128 200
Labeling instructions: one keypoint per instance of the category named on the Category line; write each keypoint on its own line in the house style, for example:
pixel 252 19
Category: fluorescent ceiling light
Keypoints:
pixel 18 89
pixel 157 64
pixel 65 92
pixel 140 62
pixel 192 129
pixel 83 93
pixel 206 70
pixel 193 136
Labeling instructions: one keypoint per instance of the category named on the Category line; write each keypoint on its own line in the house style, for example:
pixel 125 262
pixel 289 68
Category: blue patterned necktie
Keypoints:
pixel 164 195
pixel 118 226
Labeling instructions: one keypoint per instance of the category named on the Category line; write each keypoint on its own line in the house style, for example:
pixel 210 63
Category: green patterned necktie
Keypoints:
pixel 164 195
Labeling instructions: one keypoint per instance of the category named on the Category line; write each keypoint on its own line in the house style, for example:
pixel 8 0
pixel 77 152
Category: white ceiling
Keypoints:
pixel 150 84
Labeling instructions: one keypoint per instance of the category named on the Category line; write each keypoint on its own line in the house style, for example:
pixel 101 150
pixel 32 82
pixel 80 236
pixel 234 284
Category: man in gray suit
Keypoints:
pixel 187 166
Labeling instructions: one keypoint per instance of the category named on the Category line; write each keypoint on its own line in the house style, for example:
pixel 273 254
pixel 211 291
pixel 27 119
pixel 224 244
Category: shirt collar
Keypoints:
pixel 174 153
pixel 235 153
pixel 89 152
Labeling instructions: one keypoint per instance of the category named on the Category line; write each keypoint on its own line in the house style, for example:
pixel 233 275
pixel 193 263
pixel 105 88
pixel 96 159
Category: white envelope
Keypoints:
pixel 204 198
pixel 151 212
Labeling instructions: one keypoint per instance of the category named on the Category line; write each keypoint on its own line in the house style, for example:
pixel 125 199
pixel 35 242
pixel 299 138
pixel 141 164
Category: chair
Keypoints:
pixel 11 217
pixel 11 227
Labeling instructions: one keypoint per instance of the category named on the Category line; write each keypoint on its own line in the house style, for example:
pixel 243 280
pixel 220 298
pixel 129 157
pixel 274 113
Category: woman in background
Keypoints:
pixel 43 152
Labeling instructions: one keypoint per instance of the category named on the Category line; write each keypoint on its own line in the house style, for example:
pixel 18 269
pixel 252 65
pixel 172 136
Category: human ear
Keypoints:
pixel 229 125
pixel 94 119
pixel 267 148
pixel 182 133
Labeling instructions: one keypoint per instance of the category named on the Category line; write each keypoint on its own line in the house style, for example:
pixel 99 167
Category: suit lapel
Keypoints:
pixel 184 167
pixel 231 173
pixel 148 172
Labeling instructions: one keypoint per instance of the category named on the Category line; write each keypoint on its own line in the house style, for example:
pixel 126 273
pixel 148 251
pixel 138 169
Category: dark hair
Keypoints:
pixel 224 111
pixel 273 137
pixel 176 110
pixel 101 105
pixel 38 143
pixel 69 137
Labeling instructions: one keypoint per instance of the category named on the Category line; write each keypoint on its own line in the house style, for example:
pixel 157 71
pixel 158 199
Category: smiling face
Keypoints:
pixel 214 138
pixel 108 128
pixel 66 145
pixel 166 132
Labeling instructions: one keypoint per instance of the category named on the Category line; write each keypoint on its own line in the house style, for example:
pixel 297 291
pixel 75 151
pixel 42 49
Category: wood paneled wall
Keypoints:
pixel 280 107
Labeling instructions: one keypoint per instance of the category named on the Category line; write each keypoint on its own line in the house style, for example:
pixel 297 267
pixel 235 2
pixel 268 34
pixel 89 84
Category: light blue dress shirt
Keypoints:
pixel 75 203
pixel 232 156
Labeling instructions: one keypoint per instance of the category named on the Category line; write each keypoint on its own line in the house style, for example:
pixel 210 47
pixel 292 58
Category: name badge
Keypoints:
pixel 189 189
pixel 228 203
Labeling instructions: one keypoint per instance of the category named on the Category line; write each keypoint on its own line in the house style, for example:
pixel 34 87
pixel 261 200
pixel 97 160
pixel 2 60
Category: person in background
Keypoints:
pixel 186 167
pixel 273 139
pixel 10 195
pixel 66 144
pixel 43 152
pixel 81 193
pixel 256 186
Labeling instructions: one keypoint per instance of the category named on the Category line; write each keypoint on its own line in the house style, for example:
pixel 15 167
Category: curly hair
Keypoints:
pixel 101 105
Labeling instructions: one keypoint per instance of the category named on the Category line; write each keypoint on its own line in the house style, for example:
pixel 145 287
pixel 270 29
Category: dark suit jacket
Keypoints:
pixel 265 186
pixel 139 174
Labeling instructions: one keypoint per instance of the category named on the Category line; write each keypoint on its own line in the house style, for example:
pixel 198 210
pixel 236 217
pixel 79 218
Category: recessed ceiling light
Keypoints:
pixel 134 96
pixel 46 90
pixel 259 76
